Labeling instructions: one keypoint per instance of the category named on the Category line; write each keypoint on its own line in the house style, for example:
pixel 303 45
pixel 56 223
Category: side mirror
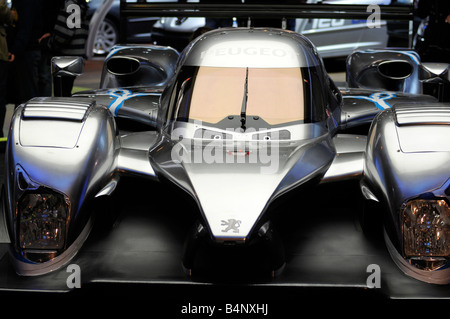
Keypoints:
pixel 64 71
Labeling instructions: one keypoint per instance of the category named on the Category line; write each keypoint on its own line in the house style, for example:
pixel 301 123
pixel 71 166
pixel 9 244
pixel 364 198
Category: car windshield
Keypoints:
pixel 214 95
pixel 273 94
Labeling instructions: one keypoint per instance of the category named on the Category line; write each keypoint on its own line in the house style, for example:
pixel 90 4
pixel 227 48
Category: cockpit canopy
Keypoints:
pixel 250 78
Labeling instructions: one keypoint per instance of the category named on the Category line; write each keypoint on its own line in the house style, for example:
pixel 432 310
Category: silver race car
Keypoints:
pixel 240 119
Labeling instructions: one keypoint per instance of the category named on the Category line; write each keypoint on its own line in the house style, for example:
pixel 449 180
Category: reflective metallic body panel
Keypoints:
pixel 398 71
pixel 233 174
pixel 362 105
pixel 396 168
pixel 365 69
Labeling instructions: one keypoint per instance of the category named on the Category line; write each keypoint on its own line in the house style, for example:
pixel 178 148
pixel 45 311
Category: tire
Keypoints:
pixel 107 37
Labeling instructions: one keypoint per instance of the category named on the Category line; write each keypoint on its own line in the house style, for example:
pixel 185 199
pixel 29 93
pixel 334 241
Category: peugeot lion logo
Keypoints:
pixel 231 224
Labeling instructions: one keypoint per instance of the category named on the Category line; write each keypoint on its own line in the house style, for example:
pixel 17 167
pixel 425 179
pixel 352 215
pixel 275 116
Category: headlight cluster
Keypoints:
pixel 42 221
pixel 426 228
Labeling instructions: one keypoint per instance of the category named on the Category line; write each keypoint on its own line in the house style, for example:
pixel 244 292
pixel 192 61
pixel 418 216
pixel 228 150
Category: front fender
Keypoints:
pixel 61 152
pixel 407 160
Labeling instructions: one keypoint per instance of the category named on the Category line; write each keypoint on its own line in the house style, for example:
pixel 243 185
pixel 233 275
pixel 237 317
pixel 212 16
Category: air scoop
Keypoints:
pixel 395 69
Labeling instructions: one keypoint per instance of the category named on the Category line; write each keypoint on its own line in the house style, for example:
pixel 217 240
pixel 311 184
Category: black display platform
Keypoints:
pixel 140 256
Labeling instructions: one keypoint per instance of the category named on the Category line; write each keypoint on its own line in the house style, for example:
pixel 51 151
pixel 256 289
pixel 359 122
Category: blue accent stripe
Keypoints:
pixel 379 99
pixel 120 96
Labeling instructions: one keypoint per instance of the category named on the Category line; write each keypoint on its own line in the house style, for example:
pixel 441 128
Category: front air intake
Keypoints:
pixel 122 65
pixel 395 70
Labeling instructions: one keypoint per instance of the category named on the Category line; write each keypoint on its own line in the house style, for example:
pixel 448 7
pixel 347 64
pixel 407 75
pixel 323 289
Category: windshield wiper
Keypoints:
pixel 244 102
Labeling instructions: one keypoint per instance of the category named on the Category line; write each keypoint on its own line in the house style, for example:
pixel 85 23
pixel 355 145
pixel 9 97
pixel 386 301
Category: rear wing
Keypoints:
pixel 299 10
pixel 138 9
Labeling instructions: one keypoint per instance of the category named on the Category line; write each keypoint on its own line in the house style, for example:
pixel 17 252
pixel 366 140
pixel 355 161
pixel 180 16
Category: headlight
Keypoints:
pixel 426 228
pixel 42 221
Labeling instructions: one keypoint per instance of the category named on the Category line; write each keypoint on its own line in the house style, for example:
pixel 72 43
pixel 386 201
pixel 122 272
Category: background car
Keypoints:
pixel 108 33
pixel 138 30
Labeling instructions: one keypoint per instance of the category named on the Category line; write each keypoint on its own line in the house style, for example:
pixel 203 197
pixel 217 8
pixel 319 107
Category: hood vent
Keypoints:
pixel 57 108
pixel 422 115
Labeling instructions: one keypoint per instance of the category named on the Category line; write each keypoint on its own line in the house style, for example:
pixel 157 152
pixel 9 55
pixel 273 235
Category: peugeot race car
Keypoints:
pixel 240 119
